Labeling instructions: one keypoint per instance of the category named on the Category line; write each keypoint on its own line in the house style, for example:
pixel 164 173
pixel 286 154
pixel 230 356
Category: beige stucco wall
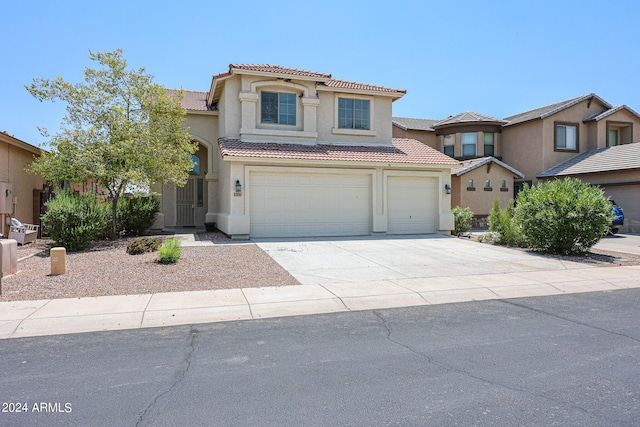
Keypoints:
pixel 480 201
pixel 13 161
pixel 522 148
pixel 619 118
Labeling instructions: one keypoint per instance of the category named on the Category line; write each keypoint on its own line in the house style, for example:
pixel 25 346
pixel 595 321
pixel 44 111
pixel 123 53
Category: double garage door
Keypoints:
pixel 333 204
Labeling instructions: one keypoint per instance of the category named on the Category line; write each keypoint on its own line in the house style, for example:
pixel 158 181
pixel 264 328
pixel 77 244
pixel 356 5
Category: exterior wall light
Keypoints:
pixel 447 188
pixel 238 186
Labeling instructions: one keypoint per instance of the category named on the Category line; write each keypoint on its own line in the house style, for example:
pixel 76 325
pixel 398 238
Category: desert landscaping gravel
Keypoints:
pixel 107 269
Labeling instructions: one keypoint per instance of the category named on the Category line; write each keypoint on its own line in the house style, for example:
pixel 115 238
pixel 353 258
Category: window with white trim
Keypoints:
pixel 278 108
pixel 354 114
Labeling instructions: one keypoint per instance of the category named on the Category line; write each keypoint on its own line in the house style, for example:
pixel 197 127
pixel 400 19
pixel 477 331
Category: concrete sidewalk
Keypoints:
pixel 63 316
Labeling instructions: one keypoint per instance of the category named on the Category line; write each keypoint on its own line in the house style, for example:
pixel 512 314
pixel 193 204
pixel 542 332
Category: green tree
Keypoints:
pixel 563 216
pixel 120 129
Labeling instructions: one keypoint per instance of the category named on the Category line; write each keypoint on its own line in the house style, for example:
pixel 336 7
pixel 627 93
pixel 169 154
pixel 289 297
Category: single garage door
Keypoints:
pixel 309 204
pixel 411 205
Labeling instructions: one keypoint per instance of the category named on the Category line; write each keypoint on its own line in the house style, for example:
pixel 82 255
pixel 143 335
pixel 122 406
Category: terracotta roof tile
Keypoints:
pixel 268 68
pixel 193 100
pixel 344 84
pixel 403 151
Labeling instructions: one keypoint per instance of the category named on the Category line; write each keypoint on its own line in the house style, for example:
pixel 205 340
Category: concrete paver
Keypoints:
pixel 407 276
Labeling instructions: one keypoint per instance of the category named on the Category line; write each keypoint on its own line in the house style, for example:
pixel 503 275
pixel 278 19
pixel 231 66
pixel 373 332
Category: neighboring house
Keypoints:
pixel 615 169
pixel 475 140
pixel 534 142
pixel 20 190
pixel 476 184
pixel 286 152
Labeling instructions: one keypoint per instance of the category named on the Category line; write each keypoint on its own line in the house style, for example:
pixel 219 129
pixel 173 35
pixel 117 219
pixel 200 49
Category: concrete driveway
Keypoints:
pixel 396 258
pixel 624 243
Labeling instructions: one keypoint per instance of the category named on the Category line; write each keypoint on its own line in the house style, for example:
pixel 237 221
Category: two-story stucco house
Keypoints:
pixel 581 137
pixel 285 152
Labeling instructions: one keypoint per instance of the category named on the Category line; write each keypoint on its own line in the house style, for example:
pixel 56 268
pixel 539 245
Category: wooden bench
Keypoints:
pixel 28 233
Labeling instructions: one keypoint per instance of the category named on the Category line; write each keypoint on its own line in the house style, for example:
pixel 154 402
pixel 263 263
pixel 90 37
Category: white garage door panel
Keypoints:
pixel 299 204
pixel 412 205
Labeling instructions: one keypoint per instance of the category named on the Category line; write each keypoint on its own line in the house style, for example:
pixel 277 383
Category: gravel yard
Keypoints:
pixel 107 269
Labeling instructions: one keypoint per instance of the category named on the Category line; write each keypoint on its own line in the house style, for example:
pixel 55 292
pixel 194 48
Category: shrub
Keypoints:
pixel 170 251
pixel 136 214
pixel 74 220
pixel 504 227
pixel 462 218
pixel 563 216
pixel 142 245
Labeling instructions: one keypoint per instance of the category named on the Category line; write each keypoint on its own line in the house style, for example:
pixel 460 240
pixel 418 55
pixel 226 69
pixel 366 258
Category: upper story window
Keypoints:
pixel 489 144
pixel 449 145
pixel 468 144
pixel 613 137
pixel 278 108
pixel 566 138
pixel 353 114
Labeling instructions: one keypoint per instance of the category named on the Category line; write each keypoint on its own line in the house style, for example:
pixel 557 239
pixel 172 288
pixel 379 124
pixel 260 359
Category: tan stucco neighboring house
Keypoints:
pixel 475 140
pixel 615 169
pixel 287 152
pixel 533 142
pixel 20 190
pixel 476 184
pixel 537 140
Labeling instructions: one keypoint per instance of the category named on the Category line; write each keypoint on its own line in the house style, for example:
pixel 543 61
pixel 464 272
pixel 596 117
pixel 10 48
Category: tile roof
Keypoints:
pixel 403 151
pixel 606 113
pixel 413 124
pixel 277 69
pixel 344 84
pixel 192 100
pixel 468 117
pixel 610 159
pixel 469 165
pixel 548 110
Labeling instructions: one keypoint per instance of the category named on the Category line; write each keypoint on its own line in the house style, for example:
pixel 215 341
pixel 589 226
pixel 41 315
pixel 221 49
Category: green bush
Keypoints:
pixel 142 245
pixel 135 215
pixel 503 225
pixel 462 218
pixel 170 251
pixel 563 216
pixel 74 220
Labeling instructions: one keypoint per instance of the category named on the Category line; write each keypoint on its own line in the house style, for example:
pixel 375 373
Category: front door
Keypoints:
pixel 186 204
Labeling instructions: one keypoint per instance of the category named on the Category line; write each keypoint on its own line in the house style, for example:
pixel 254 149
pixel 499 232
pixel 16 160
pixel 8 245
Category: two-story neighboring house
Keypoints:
pixel 581 137
pixel 285 152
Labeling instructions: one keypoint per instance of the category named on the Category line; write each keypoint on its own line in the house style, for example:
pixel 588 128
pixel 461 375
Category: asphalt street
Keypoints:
pixel 569 360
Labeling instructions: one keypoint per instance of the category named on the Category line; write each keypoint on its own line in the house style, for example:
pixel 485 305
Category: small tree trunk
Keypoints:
pixel 114 215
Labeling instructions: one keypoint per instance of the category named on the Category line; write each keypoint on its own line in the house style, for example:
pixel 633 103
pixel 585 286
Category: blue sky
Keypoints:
pixel 493 57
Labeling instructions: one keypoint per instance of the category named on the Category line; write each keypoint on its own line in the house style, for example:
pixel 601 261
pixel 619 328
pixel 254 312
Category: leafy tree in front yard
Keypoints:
pixel 121 129
pixel 563 216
